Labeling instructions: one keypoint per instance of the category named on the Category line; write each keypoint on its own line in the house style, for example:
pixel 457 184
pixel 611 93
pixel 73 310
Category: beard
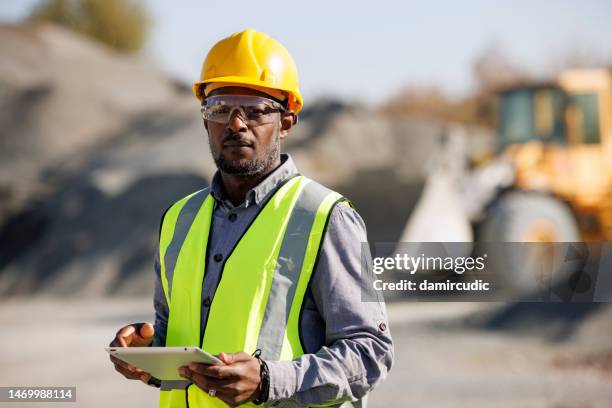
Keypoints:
pixel 249 167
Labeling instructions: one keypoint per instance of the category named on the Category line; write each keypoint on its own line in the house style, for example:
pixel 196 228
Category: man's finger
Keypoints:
pixel 136 335
pixel 118 342
pixel 115 342
pixel 129 367
pixel 223 392
pixel 146 331
pixel 218 372
pixel 125 335
pixel 231 358
pixel 206 383
pixel 117 361
pixel 198 379
pixel 199 368
pixel 134 369
pixel 127 373
pixel 145 377
pixel 227 377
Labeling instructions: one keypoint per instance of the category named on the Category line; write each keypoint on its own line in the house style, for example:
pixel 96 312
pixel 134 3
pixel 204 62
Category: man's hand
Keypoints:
pixel 132 335
pixel 234 383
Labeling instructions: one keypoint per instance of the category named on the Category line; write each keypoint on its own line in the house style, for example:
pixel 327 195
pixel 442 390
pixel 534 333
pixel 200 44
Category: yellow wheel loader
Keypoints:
pixel 548 180
pixel 558 138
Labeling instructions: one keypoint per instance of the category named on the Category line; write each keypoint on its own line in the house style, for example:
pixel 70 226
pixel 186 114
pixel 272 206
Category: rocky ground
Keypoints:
pixel 441 361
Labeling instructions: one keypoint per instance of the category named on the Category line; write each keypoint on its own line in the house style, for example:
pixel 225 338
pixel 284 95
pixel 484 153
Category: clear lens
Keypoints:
pixel 254 110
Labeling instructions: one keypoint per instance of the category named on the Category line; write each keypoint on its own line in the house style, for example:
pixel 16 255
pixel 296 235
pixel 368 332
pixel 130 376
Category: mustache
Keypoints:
pixel 236 138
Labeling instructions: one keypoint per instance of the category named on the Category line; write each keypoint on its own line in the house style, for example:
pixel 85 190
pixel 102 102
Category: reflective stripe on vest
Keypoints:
pixel 263 281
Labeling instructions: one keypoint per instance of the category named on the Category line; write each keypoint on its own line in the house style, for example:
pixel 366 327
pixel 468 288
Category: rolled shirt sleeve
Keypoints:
pixel 358 350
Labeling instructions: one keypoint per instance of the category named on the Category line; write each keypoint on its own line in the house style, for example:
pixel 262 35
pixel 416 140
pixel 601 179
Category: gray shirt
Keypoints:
pixel 347 344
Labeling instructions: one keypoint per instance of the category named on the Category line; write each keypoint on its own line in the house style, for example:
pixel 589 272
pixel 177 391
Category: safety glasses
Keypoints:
pixel 254 110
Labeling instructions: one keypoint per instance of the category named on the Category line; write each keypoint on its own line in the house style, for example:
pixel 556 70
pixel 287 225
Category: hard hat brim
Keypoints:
pixel 295 99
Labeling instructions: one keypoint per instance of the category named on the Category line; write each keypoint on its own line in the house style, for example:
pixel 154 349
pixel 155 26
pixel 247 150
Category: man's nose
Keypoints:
pixel 236 122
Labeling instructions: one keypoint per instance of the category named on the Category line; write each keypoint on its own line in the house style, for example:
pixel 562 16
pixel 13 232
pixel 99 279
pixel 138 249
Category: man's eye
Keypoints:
pixel 221 110
pixel 256 112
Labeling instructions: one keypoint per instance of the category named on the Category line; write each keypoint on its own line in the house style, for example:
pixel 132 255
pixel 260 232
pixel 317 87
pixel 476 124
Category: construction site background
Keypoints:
pixel 96 143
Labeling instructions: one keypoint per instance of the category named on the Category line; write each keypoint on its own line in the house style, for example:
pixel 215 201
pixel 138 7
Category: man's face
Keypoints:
pixel 242 149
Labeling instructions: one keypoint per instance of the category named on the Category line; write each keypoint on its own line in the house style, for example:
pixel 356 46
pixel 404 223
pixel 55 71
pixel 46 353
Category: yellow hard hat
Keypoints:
pixel 252 59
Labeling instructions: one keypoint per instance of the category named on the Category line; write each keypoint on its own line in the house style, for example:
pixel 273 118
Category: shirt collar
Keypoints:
pixel 261 191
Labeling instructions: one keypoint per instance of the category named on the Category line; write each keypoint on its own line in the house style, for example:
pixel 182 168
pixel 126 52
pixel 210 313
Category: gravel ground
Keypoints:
pixel 56 343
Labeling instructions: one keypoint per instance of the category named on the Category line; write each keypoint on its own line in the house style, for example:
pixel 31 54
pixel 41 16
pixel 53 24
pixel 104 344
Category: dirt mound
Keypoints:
pixel 61 93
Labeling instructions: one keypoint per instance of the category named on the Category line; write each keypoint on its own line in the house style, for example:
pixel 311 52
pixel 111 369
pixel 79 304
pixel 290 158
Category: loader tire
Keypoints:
pixel 520 216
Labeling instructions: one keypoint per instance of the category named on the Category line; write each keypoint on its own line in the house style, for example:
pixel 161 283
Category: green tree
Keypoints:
pixel 122 24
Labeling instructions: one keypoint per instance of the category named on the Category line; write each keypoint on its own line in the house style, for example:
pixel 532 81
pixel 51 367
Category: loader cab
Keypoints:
pixel 589 109
pixel 575 110
pixel 532 113
pixel 558 136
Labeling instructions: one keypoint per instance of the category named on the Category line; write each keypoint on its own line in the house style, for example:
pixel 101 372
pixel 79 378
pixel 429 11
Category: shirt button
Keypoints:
pixel 232 217
pixel 382 326
pixel 218 257
pixel 207 302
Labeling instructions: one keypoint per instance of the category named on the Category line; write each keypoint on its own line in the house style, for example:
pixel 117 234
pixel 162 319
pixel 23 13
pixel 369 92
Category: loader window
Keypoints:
pixel 532 114
pixel 515 120
pixel 589 116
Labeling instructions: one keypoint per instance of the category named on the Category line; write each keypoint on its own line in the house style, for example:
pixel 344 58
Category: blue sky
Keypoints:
pixel 369 50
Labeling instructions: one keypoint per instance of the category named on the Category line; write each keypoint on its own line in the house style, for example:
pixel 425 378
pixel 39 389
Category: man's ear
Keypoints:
pixel 288 119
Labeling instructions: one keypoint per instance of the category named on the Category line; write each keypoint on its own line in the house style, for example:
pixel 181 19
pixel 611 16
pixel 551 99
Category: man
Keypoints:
pixel 263 262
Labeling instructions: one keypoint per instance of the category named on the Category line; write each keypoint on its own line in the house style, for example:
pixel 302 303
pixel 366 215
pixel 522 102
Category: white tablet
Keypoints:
pixel 162 362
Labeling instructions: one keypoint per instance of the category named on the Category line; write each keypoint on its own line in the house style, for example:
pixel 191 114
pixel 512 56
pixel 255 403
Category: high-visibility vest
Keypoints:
pixel 263 281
